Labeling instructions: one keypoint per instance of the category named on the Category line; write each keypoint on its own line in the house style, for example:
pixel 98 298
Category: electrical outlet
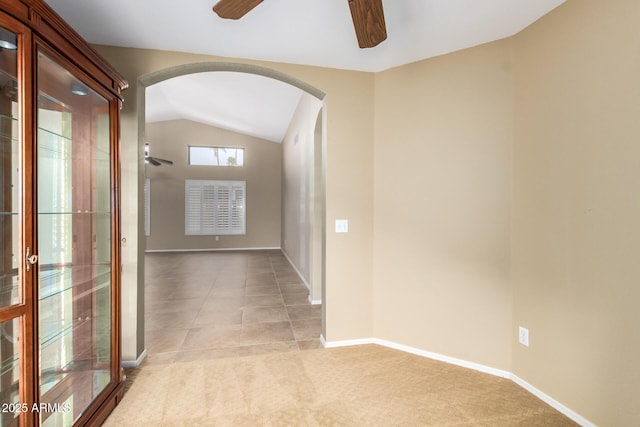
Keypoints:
pixel 523 336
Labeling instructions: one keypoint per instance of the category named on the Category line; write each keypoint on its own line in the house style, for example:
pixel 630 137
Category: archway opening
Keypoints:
pixel 312 253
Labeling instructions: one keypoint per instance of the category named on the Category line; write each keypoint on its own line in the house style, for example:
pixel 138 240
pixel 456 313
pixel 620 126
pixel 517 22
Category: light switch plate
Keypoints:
pixel 342 225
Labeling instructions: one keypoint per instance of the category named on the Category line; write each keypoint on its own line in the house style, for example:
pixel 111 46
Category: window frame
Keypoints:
pixel 213 148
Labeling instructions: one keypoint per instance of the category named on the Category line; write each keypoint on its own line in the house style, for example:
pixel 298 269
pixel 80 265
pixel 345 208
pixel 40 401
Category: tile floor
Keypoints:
pixel 222 304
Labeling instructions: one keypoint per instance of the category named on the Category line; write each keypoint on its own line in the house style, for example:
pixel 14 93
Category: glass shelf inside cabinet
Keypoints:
pixel 55 280
pixel 103 213
pixel 67 328
pixel 9 118
pixel 9 363
pixel 9 287
pixel 10 369
pixel 9 204
pixel 53 145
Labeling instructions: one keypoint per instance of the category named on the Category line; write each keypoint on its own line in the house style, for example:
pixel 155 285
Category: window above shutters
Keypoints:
pixel 216 156
pixel 215 207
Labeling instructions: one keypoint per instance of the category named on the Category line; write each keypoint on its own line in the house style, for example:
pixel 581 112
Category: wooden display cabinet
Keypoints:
pixel 60 357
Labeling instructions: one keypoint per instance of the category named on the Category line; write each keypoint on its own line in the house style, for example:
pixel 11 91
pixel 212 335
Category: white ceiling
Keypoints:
pixel 241 102
pixel 313 32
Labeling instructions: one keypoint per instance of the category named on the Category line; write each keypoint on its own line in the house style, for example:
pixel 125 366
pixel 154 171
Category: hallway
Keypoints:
pixel 209 305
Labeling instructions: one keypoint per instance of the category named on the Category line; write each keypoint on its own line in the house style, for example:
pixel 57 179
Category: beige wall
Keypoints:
pixel 443 137
pixel 261 172
pixel 576 209
pixel 348 141
pixel 298 160
pixel 521 162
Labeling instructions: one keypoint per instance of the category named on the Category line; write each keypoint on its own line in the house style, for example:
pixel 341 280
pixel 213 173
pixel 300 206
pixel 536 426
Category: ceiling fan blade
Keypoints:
pixel 234 9
pixel 368 21
pixel 165 161
pixel 153 161
pixel 156 161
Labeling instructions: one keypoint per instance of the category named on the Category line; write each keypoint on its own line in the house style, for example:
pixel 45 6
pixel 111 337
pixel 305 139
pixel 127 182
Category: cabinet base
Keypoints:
pixel 109 404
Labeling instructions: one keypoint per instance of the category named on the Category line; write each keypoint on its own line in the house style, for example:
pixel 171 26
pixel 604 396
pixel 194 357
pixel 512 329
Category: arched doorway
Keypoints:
pixel 316 246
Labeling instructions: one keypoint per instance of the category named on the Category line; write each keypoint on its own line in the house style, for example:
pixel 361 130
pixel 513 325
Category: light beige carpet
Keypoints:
pixel 353 386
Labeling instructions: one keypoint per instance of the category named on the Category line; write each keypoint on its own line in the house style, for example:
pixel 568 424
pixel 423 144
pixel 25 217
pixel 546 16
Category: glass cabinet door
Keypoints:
pixel 74 242
pixel 10 234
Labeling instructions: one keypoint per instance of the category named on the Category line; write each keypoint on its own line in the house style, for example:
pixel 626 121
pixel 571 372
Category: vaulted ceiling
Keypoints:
pixel 240 102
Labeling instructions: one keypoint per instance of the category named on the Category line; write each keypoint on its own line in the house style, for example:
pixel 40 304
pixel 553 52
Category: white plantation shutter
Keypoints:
pixel 215 207
pixel 223 221
pixel 237 208
pixel 193 207
pixel 208 209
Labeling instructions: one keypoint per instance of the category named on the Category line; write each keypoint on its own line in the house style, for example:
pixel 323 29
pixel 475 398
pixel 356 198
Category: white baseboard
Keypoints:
pixel 552 402
pixel 212 250
pixel 347 343
pixel 311 301
pixel 314 301
pixel 323 341
pixel 443 358
pixel 297 271
pixel 469 365
pixel 135 363
pixel 423 353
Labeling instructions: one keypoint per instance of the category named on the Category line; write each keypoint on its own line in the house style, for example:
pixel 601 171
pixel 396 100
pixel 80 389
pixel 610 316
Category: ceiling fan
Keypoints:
pixel 367 17
pixel 155 161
